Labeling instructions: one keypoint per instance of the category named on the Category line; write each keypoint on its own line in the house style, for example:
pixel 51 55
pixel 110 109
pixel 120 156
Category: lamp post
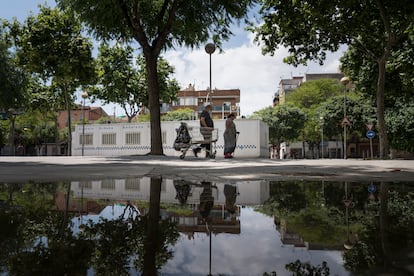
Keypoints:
pixel 322 146
pixel 344 81
pixel 84 96
pixel 210 48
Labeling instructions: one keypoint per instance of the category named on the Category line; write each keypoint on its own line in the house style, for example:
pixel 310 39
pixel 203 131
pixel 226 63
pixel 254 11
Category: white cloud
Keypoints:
pixel 242 67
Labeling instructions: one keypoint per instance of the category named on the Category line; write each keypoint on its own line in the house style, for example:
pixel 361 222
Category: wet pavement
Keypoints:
pixel 16 169
pixel 217 217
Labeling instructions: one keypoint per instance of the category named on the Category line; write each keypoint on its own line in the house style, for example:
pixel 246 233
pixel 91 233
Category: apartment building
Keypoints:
pixel 224 101
pixel 286 86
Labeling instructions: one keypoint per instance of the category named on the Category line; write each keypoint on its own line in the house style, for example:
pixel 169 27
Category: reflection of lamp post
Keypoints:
pixel 322 122
pixel 345 81
pixel 210 48
pixel 84 96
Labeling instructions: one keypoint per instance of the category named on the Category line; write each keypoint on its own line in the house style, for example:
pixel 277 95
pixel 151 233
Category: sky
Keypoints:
pixel 241 65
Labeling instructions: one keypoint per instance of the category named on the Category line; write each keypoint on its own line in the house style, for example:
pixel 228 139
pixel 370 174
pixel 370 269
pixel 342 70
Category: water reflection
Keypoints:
pixel 176 227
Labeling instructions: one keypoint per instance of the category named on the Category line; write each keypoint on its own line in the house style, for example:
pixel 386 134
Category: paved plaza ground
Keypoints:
pixel 43 168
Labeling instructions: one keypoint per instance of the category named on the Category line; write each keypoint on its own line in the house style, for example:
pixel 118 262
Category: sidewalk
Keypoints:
pixel 52 168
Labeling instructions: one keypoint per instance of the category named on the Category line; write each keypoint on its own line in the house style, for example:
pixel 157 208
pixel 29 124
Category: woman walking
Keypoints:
pixel 230 136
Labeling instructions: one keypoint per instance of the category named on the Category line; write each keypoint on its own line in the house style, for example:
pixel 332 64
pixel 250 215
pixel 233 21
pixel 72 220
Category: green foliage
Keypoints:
pixel 157 26
pixel 376 28
pixel 285 122
pixel 400 122
pixel 312 93
pixel 165 24
pixel 183 114
pixel 143 118
pixel 358 109
pixel 306 269
pixel 375 250
pixel 13 79
pixel 51 46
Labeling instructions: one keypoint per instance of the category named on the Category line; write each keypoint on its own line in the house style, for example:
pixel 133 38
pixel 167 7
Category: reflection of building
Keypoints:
pixel 138 189
pixel 250 192
pixel 289 237
pixel 78 205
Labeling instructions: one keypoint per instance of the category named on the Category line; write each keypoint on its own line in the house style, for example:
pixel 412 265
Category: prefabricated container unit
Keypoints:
pixel 135 138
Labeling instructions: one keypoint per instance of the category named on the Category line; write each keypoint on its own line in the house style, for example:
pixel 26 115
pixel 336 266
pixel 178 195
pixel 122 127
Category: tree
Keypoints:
pixel 312 93
pixel 121 81
pixel 183 114
pixel 309 29
pixel 51 45
pixel 399 85
pixel 156 26
pixel 285 122
pixel 13 79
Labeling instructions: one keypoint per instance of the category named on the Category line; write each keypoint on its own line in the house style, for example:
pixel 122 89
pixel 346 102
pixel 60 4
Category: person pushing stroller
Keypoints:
pixel 206 129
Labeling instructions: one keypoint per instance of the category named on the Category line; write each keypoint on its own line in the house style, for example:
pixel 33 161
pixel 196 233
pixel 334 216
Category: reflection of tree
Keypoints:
pixel 44 242
pixel 386 235
pixel 286 196
pixel 143 241
pixel 314 211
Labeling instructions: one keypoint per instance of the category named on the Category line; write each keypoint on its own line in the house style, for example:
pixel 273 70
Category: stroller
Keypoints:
pixel 193 137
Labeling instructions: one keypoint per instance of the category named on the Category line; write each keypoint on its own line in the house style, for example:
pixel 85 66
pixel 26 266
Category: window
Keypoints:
pixel 133 138
pixel 108 184
pixel 85 185
pixel 132 184
pixel 109 139
pixel 88 139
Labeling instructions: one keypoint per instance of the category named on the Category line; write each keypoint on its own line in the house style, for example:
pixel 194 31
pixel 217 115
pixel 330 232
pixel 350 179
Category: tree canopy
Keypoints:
pixel 310 29
pixel 51 46
pixel 156 26
pixel 122 79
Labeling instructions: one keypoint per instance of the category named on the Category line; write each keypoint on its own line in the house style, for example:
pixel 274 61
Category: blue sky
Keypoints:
pixel 241 65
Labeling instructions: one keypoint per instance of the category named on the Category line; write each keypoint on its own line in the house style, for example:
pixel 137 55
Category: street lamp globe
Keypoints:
pixel 345 80
pixel 210 48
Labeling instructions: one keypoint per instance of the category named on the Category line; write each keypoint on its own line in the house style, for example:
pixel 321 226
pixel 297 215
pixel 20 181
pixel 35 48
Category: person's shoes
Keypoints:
pixel 196 151
pixel 228 155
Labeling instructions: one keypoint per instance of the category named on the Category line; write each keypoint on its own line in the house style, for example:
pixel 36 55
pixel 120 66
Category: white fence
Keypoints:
pixel 135 139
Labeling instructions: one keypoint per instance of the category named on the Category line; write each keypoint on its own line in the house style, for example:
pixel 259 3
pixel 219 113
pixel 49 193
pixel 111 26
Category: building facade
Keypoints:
pixel 135 138
pixel 287 86
pixel 224 101
pixel 92 114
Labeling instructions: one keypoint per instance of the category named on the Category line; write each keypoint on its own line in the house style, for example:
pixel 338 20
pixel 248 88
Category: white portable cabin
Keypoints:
pixel 135 138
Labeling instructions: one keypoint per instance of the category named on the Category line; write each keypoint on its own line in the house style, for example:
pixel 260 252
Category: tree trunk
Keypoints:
pixel 154 104
pixel 68 108
pixel 55 119
pixel 383 223
pixel 150 244
pixel 382 131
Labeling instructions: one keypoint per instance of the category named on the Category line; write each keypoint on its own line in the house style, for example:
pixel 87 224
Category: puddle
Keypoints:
pixel 176 227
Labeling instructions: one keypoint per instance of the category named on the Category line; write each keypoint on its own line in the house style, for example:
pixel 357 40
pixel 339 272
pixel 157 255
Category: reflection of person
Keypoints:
pixel 206 200
pixel 183 190
pixel 230 193
pixel 206 129
pixel 230 136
